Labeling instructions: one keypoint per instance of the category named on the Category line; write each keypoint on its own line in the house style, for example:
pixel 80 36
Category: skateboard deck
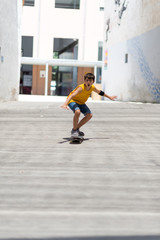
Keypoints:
pixel 76 139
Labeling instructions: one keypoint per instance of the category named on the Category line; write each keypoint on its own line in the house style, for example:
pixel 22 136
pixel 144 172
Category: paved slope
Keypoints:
pixel 108 187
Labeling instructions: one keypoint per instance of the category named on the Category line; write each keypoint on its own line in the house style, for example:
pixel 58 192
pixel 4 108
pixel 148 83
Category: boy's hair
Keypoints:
pixel 89 76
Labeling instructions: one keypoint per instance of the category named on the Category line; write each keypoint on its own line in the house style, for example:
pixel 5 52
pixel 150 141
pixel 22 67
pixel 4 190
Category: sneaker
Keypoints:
pixel 75 133
pixel 80 133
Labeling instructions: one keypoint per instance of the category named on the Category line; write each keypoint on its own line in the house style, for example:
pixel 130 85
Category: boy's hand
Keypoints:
pixel 65 106
pixel 113 97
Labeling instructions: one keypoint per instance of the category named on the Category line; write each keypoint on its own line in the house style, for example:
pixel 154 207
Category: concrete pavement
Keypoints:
pixel 108 187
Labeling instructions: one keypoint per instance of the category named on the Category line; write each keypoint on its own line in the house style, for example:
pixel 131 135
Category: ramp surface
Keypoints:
pixel 108 187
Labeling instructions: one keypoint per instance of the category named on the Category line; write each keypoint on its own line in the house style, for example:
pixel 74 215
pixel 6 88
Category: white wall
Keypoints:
pixel 136 34
pixel 10 14
pixel 45 22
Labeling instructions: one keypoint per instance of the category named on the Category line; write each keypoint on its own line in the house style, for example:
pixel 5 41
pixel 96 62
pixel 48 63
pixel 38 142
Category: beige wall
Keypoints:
pixel 81 72
pixel 38 83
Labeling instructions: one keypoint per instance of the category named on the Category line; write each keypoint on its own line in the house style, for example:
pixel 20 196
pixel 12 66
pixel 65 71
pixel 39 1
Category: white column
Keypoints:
pixel 46 80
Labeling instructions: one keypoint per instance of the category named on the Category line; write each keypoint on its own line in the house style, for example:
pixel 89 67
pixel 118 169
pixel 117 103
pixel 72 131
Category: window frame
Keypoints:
pixel 75 4
pixel 29 3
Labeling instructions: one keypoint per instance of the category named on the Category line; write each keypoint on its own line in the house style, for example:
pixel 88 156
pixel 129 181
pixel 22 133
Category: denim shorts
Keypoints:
pixel 82 107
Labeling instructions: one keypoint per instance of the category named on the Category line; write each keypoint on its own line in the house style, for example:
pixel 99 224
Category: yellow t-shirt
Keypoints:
pixel 83 96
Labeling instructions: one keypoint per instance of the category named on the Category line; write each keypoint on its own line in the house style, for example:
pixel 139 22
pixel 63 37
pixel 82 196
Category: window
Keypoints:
pixel 101 5
pixel 65 77
pixel 126 58
pixel 29 3
pixel 101 8
pixel 99 70
pixel 69 4
pixel 27 46
pixel 100 50
pixel 26 70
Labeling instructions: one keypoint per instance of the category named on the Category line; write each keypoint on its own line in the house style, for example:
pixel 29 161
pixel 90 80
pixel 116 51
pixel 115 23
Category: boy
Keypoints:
pixel 76 101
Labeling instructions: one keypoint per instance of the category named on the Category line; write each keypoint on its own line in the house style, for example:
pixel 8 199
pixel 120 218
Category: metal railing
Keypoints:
pixel 60 62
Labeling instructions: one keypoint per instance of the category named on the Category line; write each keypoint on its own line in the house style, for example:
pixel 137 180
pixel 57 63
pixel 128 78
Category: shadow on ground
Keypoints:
pixel 85 139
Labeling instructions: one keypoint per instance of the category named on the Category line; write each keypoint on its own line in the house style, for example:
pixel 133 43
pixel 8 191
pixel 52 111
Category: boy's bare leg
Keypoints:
pixel 76 119
pixel 84 120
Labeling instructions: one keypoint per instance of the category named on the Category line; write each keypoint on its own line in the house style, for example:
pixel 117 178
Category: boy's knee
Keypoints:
pixel 89 115
pixel 77 112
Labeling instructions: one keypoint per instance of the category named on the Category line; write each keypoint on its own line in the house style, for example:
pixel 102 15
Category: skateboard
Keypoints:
pixel 77 140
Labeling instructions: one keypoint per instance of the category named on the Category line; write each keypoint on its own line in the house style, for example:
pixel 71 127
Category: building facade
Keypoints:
pixel 61 29
pixel 131 50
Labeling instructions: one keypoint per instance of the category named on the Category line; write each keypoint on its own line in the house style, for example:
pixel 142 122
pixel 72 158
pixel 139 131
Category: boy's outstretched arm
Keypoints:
pixel 65 105
pixel 104 94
